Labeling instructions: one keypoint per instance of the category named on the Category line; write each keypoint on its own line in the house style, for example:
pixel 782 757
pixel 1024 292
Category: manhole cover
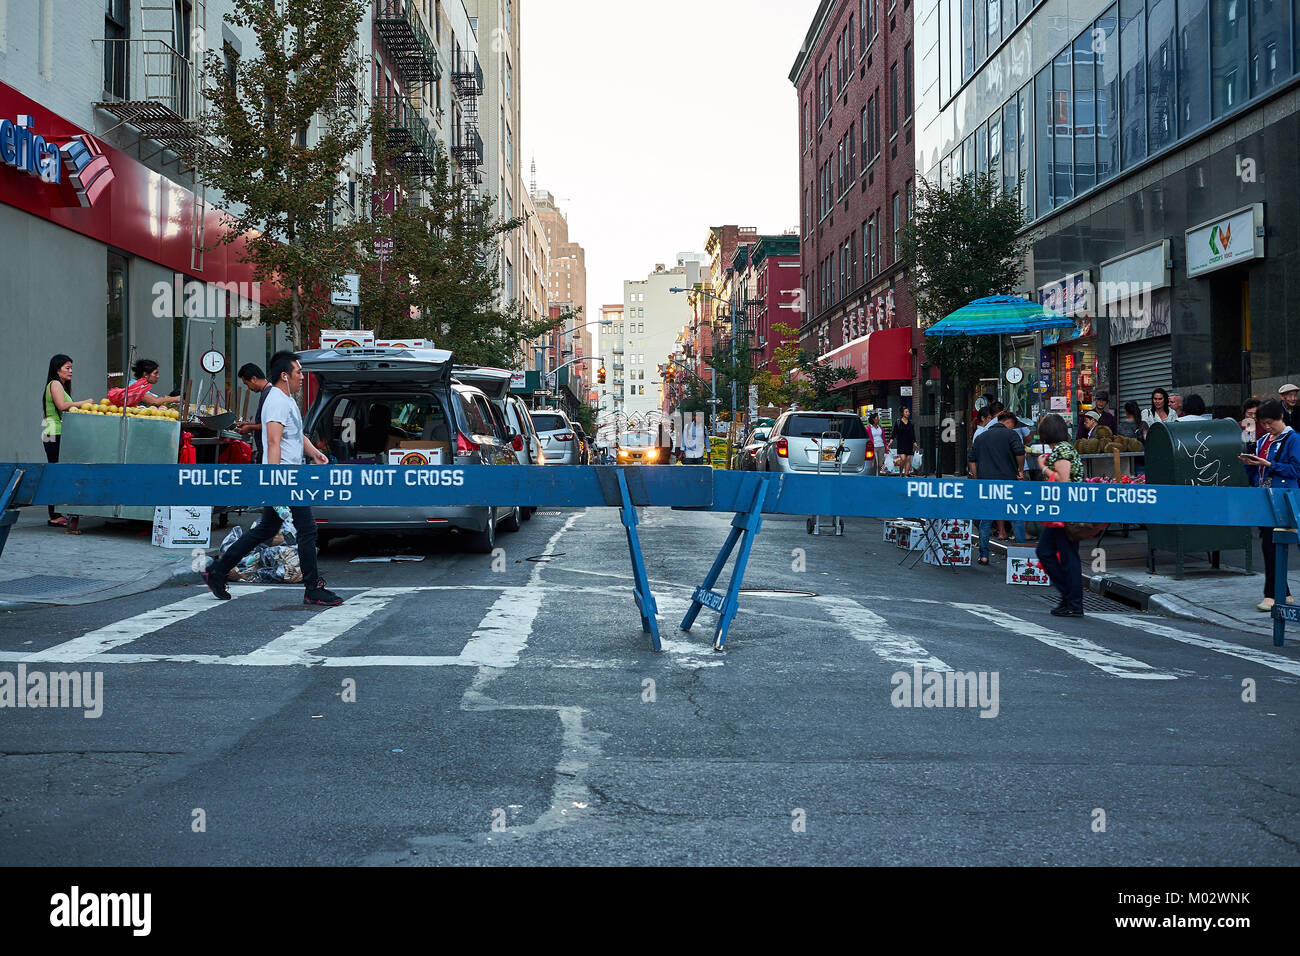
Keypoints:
pixel 1092 601
pixel 48 585
pixel 776 593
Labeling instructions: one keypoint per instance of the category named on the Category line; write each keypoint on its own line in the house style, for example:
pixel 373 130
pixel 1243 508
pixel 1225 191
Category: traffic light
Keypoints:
pixel 670 375
pixel 600 375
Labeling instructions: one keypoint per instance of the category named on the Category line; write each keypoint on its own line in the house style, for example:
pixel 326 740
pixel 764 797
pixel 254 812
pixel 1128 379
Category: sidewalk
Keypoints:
pixel 1226 596
pixel 41 565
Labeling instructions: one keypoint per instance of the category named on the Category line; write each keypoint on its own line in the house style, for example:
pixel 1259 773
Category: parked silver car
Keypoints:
pixel 802 442
pixel 559 440
pixel 370 403
pixel 749 454
pixel 513 414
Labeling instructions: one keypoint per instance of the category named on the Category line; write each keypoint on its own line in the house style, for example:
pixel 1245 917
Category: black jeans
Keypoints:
pixel 52 456
pixel 1270 562
pixel 1060 558
pixel 267 528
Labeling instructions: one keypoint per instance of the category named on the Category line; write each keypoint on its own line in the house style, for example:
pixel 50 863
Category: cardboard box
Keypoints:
pixel 910 535
pixel 420 453
pixel 1023 567
pixel 948 542
pixel 346 339
pixel 890 535
pixel 403 344
pixel 182 527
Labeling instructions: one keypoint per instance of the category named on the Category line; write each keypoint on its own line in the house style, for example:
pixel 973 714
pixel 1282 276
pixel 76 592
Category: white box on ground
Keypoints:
pixel 947 542
pixel 1023 567
pixel 182 527
pixel 415 456
pixel 346 339
pixel 403 344
pixel 910 535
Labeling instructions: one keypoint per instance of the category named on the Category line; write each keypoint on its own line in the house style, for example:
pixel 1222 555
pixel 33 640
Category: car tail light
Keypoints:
pixel 782 448
pixel 871 453
pixel 564 436
pixel 464 446
pixel 518 443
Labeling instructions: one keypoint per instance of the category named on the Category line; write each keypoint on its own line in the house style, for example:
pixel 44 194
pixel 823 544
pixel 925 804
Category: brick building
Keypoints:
pixel 856 161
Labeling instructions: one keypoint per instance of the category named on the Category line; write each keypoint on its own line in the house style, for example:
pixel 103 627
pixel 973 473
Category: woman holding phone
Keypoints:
pixel 1275 464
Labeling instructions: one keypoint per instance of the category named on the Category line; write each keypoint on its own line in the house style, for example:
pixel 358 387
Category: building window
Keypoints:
pixel 1085 114
pixel 1161 122
pixel 117 32
pixel 893 100
pixel 898 210
pixel 1106 33
pixel 871 246
pixel 1063 126
pixel 1193 65
pixel 852 173
pixel 908 104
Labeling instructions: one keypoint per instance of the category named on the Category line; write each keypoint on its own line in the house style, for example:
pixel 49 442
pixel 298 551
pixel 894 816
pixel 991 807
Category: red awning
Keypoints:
pixel 882 356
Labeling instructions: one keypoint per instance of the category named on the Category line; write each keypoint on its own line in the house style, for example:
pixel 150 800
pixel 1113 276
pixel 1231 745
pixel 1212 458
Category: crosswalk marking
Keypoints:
pixel 1112 662
pixel 501 638
pixel 872 629
pixel 132 629
pixel 1256 656
pixel 295 645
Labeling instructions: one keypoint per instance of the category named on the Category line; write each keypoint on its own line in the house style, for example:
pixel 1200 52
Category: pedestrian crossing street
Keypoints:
pixel 892 629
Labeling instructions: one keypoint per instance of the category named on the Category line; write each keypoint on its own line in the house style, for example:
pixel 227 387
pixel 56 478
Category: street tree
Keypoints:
pixel 428 261
pixel 800 379
pixel 279 149
pixel 963 243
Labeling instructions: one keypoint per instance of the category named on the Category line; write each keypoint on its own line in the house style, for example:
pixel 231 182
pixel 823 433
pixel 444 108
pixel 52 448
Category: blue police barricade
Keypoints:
pixel 749 495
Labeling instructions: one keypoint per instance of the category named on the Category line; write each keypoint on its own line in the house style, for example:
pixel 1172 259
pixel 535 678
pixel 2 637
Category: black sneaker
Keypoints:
pixel 216 585
pixel 319 597
pixel 1064 611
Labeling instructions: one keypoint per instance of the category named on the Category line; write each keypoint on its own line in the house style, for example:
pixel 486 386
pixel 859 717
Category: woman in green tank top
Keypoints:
pixel 56 400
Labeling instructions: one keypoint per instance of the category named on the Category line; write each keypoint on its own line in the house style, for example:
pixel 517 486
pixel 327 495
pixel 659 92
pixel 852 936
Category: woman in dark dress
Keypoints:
pixel 905 439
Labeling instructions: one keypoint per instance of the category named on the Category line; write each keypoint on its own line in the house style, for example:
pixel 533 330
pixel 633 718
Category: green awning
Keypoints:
pixel 1000 315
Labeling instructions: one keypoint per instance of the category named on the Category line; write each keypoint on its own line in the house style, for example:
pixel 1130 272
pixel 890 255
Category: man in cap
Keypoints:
pixel 1290 397
pixel 1100 401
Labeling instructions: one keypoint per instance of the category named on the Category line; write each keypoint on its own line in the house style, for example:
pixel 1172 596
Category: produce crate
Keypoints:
pixel 97 440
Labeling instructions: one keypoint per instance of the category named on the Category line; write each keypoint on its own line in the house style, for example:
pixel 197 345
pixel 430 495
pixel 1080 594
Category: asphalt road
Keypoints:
pixel 515 716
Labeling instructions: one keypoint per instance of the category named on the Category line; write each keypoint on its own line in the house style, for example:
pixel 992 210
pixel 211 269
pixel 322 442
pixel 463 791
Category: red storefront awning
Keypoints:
pixel 881 356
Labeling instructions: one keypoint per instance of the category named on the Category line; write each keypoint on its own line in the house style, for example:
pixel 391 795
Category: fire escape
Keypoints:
pixel 404 37
pixel 467 76
pixel 155 84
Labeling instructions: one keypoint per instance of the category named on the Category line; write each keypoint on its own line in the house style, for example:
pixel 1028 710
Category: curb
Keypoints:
pixel 1160 602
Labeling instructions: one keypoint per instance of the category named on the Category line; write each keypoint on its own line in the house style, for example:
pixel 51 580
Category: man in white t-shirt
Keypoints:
pixel 693 441
pixel 283 443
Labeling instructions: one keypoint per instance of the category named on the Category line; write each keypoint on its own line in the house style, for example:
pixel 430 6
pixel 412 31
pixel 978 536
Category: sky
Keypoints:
pixel 651 122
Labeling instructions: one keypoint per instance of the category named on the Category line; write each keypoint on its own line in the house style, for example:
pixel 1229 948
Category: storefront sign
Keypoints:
pixel 28 152
pixel 1149 322
pixel 1135 273
pixel 518 380
pixel 1070 296
pixel 1060 403
pixel 1237 237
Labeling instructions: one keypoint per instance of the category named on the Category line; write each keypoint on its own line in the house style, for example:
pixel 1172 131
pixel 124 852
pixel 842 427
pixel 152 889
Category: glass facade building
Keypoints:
pixel 1131 125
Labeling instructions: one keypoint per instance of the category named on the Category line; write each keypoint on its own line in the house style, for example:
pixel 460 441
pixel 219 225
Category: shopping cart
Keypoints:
pixel 828 455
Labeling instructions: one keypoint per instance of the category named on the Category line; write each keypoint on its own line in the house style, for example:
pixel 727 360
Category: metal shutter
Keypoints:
pixel 1144 367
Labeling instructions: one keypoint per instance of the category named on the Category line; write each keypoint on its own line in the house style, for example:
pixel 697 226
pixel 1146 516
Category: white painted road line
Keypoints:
pixel 504 631
pixel 872 629
pixel 296 644
pixel 132 629
pixel 1112 662
pixel 1256 656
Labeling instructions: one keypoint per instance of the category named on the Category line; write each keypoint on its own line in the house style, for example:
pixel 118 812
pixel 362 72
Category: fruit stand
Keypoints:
pixel 102 434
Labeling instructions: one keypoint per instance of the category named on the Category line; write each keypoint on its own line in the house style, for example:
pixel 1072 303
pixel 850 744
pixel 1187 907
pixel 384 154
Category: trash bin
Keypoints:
pixel 1196 453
